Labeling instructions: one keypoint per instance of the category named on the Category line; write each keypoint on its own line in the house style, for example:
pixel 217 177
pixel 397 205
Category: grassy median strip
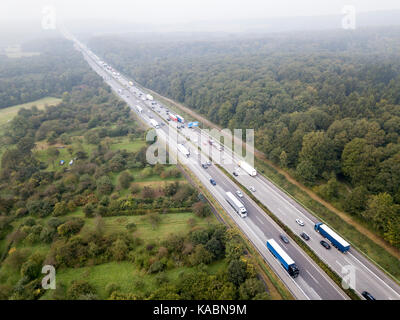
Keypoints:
pixel 332 274
pixel 277 289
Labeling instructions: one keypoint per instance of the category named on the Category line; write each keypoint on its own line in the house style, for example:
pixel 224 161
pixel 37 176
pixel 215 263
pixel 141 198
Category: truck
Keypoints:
pixel 337 241
pixel 236 205
pixel 248 168
pixel 183 149
pixel 192 125
pixel 287 262
pixel 180 119
pixel 139 109
pixel 149 97
pixel 154 123
pixel 173 117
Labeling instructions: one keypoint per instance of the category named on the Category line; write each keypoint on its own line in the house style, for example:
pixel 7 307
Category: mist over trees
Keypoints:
pixel 325 105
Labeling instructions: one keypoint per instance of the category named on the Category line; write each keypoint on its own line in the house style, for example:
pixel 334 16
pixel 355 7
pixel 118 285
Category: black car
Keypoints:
pixel 235 173
pixel 204 166
pixel 325 244
pixel 305 236
pixel 284 238
pixel 213 182
pixel 367 295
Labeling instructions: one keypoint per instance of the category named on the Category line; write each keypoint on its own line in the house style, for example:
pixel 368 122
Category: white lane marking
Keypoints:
pixel 281 211
pixel 397 294
pixel 312 277
pixel 259 219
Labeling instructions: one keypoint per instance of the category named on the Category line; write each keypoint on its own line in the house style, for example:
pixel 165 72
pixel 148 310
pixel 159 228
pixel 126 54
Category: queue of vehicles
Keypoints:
pixel 289 265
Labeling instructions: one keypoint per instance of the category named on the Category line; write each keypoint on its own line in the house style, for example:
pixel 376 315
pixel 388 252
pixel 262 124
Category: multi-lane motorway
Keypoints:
pixel 312 282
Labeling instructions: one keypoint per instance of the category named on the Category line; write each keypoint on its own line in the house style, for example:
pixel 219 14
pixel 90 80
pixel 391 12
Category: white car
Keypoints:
pixel 239 194
pixel 300 222
pixel 252 189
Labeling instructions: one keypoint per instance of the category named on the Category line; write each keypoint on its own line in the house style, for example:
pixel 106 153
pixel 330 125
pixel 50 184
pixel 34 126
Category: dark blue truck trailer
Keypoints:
pixel 283 258
pixel 336 240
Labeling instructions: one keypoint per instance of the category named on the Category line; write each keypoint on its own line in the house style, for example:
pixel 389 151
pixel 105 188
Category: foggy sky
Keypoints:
pixel 173 12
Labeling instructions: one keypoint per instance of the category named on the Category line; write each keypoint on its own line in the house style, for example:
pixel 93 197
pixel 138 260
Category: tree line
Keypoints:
pixel 325 106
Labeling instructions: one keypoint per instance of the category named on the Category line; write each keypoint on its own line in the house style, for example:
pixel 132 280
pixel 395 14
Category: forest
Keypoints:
pixel 325 105
pixel 76 193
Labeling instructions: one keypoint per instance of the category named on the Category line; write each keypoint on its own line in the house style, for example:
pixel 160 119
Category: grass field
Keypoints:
pixel 178 223
pixel 126 144
pixel 123 274
pixel 16 52
pixel 7 114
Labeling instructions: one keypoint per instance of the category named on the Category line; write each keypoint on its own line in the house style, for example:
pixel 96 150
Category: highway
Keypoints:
pixel 312 283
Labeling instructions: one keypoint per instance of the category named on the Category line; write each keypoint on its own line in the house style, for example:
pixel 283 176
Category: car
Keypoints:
pixel 252 189
pixel 212 181
pixel 235 173
pixel 325 244
pixel 284 238
pixel 300 222
pixel 204 166
pixel 239 194
pixel 367 295
pixel 304 236
pixel 208 163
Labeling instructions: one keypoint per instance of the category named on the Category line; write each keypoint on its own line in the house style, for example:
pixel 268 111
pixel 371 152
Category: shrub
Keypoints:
pixel 78 289
pixel 111 287
pixel 70 227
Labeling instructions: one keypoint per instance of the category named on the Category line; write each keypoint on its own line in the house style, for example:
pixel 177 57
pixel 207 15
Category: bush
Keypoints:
pixel 111 287
pixel 78 289
pixel 70 227
pixel 156 267
pixel 125 179
pixel 251 288
pixel 237 272
pixel 131 226
pixel 201 209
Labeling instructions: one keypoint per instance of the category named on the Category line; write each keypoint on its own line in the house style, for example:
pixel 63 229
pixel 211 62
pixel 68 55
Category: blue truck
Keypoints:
pixel 193 124
pixel 337 241
pixel 180 119
pixel 287 262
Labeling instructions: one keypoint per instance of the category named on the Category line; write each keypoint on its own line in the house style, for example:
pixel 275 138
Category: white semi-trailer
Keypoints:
pixel 154 123
pixel 183 149
pixel 248 168
pixel 236 205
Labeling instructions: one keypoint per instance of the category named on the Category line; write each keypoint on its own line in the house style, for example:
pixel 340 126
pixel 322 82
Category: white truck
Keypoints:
pixel 183 149
pixel 149 97
pixel 248 168
pixel 236 205
pixel 154 123
pixel 139 109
